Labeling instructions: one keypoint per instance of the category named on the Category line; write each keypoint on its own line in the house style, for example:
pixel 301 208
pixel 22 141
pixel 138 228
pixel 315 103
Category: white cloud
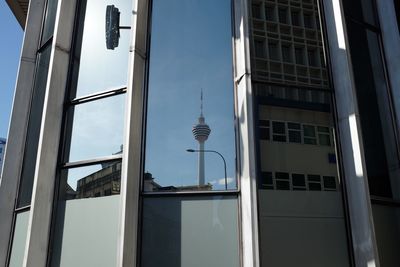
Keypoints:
pixel 221 181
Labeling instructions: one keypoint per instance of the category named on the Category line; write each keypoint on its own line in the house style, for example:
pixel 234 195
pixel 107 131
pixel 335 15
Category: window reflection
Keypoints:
pixel 299 191
pixel 99 68
pixel 98 180
pixel 97 128
pixel 35 118
pixel 190 97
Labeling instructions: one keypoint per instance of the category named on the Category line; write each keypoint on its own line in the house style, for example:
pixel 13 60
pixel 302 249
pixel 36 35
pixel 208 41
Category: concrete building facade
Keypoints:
pixel 302 167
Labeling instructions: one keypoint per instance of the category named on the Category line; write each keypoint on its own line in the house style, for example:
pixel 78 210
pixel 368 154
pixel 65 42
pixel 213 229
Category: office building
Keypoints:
pixel 302 167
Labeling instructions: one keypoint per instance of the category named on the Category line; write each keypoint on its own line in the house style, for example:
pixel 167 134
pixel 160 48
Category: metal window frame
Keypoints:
pixel 44 180
pixel 390 46
pixel 14 152
pixel 246 121
pixel 43 192
pixel 361 242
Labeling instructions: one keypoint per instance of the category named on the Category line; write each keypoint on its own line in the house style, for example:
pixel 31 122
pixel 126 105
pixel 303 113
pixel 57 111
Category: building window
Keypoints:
pixel 295 15
pixel 286 53
pixel 264 129
pixel 329 183
pixel 294 130
pixel 259 48
pixel 283 15
pixel 309 135
pixel 314 182
pixel 278 131
pixel 299 53
pixel 282 181
pixel 298 182
pixel 308 20
pixel 312 58
pixel 273 51
pixel 324 136
pixel 266 181
pixel 256 11
pixel 270 13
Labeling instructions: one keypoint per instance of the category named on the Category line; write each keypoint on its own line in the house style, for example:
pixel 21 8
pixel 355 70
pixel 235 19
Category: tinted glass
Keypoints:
pixel 301 219
pixel 183 231
pixel 361 10
pixel 97 67
pixel 98 180
pixel 190 97
pixel 375 115
pixel 35 119
pixel 49 22
pixel 97 128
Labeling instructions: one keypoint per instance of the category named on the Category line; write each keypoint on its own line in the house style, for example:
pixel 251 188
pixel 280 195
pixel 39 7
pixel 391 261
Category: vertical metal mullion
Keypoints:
pixel 133 136
pixel 15 148
pixel 349 130
pixel 247 147
pixel 46 164
pixel 390 47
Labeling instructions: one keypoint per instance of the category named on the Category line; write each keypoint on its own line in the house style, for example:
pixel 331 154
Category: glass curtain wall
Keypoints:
pixel 85 228
pixel 23 201
pixel 300 204
pixel 380 140
pixel 189 186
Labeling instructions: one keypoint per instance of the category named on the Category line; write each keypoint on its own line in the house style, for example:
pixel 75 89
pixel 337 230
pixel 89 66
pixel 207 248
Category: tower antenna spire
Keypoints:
pixel 201 102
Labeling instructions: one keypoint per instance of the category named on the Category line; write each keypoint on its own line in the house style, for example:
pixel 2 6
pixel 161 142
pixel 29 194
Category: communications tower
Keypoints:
pixel 201 131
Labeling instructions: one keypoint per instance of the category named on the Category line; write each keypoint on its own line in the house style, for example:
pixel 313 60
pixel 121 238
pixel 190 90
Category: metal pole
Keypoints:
pixel 222 157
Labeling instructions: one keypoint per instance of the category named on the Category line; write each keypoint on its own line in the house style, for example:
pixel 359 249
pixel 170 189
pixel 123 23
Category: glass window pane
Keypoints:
pixel 96 67
pixel 387 232
pixel 49 21
pixel 309 130
pixel 376 118
pixel 19 239
pixel 35 120
pixel 269 13
pixel 97 128
pixel 361 10
pixel 93 181
pixel 187 231
pixel 256 11
pixel 278 127
pixel 283 15
pixel 329 182
pixel 301 220
pixel 266 181
pixel 298 180
pixel 190 97
pixel 86 226
pixel 273 51
pixel 296 18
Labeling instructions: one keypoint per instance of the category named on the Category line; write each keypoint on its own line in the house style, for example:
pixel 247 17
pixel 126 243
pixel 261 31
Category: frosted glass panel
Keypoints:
pixel 19 240
pixel 190 232
pixel 86 233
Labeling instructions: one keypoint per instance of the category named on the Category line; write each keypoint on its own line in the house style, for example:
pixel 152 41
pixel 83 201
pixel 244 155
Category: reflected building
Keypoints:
pixel 303 102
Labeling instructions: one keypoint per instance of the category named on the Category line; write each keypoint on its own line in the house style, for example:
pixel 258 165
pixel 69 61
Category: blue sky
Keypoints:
pixel 10 47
